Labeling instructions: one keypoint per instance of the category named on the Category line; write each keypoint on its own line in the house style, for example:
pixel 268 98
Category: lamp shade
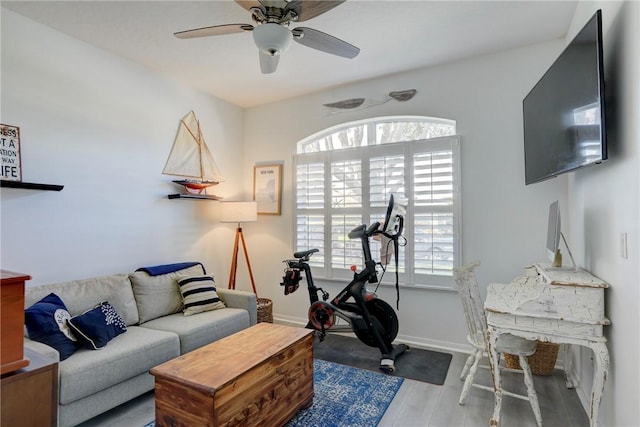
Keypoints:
pixel 238 212
pixel 272 39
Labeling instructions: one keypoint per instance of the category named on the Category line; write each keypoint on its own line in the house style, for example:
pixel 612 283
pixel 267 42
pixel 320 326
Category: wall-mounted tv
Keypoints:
pixel 564 114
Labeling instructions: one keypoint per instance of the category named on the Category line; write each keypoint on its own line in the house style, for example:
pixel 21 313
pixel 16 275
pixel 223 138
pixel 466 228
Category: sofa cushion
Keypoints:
pixel 202 328
pixel 96 327
pixel 46 322
pixel 126 356
pixel 81 410
pixel 240 299
pixel 158 296
pixel 199 294
pixel 82 295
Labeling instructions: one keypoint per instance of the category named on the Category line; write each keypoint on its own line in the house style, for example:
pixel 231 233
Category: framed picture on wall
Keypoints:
pixel 10 153
pixel 267 188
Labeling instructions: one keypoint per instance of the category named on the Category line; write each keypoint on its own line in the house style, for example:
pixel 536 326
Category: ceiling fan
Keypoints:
pixel 271 33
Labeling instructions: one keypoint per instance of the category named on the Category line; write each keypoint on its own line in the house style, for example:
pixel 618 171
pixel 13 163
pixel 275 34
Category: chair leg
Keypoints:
pixel 467 365
pixel 477 355
pixel 494 364
pixel 531 391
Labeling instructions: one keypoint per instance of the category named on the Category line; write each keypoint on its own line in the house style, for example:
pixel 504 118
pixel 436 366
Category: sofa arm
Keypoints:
pixel 241 299
pixel 41 348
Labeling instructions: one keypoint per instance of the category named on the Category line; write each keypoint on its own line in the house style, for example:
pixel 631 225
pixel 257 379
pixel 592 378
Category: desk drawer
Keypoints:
pixel 545 326
pixel 529 298
pixel 567 302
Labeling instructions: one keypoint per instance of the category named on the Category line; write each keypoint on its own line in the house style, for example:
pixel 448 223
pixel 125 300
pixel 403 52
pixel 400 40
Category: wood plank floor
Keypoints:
pixel 420 404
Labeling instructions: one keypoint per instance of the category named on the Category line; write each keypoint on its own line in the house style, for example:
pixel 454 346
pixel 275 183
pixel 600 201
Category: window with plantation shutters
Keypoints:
pixel 344 178
pixel 310 209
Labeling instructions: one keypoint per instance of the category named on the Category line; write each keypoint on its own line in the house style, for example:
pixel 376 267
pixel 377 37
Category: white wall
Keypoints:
pixel 103 127
pixel 604 204
pixel 503 221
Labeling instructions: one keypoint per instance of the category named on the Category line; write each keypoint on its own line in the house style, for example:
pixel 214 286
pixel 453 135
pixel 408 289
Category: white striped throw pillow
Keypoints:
pixel 199 294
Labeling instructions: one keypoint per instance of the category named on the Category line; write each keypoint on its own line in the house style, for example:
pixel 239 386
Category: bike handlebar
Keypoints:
pixel 362 231
pixel 372 229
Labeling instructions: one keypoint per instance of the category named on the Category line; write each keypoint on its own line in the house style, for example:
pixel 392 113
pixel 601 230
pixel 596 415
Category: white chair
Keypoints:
pixel 473 307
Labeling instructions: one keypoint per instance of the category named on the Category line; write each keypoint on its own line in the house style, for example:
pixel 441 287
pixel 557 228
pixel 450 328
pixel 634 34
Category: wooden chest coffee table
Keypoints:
pixel 260 376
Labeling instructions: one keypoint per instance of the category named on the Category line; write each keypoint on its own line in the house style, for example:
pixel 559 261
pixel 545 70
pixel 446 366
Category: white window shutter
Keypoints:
pixel 346 182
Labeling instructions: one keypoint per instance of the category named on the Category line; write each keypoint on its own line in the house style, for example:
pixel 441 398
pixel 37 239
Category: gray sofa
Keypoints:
pixel 94 381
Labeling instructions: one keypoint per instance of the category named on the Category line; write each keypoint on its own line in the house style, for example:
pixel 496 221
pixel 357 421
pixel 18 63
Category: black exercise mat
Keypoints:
pixel 416 364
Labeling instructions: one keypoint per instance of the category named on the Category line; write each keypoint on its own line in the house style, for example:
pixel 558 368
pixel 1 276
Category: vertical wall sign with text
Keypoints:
pixel 267 188
pixel 10 152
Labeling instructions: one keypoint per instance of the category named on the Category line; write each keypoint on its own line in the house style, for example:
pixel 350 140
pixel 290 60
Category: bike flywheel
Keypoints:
pixel 321 315
pixel 384 318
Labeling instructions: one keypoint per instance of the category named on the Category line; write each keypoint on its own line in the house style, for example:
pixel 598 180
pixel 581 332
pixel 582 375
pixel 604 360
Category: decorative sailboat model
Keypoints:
pixel 190 158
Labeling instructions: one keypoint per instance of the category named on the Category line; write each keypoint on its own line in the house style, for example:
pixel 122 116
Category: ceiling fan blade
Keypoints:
pixel 262 4
pixel 248 4
pixel 268 63
pixel 310 8
pixel 322 41
pixel 216 30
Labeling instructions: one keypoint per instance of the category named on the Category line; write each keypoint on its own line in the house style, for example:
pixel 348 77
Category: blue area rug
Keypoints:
pixel 345 397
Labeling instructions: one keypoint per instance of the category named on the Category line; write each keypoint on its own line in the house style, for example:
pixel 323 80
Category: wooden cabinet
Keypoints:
pixel 29 396
pixel 260 376
pixel 12 321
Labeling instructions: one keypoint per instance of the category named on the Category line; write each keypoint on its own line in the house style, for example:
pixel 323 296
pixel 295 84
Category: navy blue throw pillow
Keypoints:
pixel 96 327
pixel 46 322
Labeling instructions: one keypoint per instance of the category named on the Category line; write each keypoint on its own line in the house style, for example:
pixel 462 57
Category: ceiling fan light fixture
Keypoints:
pixel 272 39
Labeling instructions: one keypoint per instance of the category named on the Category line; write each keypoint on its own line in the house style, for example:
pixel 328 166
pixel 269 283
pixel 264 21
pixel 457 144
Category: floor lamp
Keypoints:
pixel 239 212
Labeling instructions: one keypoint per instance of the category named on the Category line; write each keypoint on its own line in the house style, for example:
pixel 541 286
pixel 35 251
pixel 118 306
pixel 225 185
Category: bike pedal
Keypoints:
pixel 387 366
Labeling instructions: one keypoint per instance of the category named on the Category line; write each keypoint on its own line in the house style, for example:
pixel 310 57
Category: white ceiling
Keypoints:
pixel 393 36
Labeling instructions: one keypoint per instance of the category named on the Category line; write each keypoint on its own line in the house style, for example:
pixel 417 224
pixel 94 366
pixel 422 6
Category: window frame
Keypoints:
pixel 365 153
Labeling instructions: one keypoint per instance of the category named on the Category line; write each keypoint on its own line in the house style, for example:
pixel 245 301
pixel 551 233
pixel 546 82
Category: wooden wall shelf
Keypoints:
pixel 194 196
pixel 30 185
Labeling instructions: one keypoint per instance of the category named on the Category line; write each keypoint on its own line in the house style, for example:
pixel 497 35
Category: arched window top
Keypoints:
pixel 377 131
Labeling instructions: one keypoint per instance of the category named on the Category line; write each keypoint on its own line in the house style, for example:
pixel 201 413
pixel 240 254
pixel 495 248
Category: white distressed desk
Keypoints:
pixel 564 307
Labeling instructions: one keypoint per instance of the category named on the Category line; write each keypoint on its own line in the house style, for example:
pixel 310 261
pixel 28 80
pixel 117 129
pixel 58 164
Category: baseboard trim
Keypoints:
pixel 420 342
pixel 412 341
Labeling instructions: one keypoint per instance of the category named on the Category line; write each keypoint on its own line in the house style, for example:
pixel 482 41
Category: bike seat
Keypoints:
pixel 305 254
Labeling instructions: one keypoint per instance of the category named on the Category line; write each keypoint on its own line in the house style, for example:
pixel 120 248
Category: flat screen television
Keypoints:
pixel 564 114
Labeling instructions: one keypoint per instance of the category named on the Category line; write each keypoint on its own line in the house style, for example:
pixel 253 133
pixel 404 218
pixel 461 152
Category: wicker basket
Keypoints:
pixel 265 310
pixel 541 362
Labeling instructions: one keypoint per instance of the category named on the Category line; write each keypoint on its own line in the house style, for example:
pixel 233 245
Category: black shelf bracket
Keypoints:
pixel 194 196
pixel 30 185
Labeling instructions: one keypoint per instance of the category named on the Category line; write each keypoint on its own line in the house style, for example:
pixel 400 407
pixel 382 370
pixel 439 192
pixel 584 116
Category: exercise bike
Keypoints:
pixel 373 321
